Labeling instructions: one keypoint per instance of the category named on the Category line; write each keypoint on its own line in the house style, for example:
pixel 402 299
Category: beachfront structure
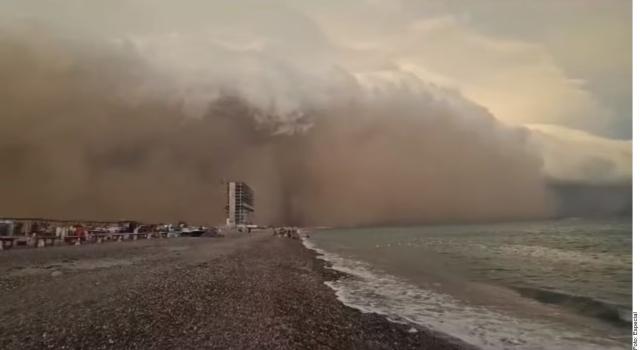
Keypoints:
pixel 239 204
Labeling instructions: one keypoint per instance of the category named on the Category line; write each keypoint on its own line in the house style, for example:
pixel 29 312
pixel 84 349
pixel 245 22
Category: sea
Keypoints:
pixel 560 284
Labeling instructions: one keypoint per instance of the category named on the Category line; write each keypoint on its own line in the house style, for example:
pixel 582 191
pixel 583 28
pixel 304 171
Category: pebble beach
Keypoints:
pixel 241 291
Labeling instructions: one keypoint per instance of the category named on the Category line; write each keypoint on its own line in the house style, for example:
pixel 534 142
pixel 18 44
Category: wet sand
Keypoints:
pixel 235 292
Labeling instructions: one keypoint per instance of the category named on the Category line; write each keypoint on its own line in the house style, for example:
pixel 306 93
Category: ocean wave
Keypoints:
pixel 372 291
pixel 612 313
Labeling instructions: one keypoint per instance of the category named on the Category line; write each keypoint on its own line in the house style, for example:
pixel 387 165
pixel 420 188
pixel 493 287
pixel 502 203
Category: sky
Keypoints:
pixel 565 62
pixel 579 49
pixel 548 81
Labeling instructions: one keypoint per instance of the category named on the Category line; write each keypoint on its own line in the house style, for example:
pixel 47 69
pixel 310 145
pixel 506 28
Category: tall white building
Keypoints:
pixel 240 209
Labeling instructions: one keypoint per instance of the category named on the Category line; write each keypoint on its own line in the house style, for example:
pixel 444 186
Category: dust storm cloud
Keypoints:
pixel 95 132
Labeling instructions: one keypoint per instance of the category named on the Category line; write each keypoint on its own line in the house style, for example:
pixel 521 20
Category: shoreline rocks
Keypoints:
pixel 244 292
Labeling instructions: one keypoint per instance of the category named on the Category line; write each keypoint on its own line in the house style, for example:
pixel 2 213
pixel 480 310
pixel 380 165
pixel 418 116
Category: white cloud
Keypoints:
pixel 577 156
pixel 284 55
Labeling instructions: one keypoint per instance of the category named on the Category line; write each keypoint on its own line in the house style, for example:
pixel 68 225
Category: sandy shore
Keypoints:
pixel 236 292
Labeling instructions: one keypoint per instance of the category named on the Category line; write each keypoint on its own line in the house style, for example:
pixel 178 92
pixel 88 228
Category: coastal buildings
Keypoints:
pixel 239 204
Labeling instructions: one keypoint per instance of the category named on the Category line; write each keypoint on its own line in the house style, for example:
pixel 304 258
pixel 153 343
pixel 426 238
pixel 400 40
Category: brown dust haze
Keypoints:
pixel 95 133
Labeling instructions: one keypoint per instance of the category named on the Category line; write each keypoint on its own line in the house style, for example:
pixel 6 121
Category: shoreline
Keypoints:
pixel 472 313
pixel 445 341
pixel 233 292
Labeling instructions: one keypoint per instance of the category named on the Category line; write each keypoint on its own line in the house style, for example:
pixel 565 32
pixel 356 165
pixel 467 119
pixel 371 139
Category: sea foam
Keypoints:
pixel 372 291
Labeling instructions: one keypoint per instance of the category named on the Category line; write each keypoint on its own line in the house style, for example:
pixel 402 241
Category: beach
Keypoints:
pixel 241 291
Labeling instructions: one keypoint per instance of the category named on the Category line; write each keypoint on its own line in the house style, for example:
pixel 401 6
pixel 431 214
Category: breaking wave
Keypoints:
pixel 615 314
pixel 372 291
